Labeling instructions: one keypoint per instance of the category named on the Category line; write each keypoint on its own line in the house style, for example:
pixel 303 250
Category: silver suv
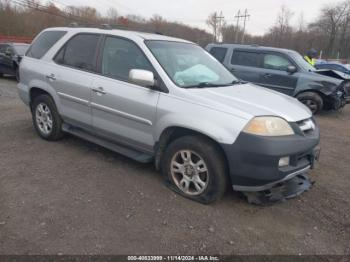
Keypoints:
pixel 162 99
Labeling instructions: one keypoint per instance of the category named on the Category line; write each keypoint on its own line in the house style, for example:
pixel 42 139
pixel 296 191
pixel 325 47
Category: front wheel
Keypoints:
pixel 312 100
pixel 195 168
pixel 46 120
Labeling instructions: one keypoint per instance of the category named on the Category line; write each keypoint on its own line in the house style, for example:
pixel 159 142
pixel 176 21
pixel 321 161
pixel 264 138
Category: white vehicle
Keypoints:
pixel 162 99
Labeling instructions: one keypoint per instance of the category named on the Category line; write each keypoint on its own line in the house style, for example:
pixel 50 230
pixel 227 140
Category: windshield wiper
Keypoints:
pixel 202 85
pixel 208 84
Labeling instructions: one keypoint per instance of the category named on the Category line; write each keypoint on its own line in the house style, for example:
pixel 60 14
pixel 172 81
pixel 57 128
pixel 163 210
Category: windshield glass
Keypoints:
pixel 301 62
pixel 21 49
pixel 188 65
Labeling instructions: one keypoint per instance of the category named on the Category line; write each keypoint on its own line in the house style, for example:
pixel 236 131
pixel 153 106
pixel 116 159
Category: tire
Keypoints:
pixel 312 100
pixel 44 112
pixel 215 178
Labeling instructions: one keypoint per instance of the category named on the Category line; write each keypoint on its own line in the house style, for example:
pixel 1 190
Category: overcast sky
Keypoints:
pixel 194 12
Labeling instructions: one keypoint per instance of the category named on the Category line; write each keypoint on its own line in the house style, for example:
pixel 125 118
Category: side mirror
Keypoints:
pixel 142 77
pixel 291 69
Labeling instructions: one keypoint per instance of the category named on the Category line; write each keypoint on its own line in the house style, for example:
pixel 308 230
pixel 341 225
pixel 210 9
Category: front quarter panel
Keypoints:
pixel 173 111
pixel 310 82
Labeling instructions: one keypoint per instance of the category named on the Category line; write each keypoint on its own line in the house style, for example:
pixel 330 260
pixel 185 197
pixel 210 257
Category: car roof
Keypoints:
pixel 252 47
pixel 119 32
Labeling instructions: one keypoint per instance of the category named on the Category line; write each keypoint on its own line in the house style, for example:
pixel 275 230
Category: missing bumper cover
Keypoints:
pixel 281 191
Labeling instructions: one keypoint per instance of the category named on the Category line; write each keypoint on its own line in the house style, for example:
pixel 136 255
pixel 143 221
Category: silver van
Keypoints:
pixel 167 100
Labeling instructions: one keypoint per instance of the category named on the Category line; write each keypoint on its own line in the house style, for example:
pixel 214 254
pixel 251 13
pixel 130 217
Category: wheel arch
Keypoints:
pixel 174 132
pixel 38 88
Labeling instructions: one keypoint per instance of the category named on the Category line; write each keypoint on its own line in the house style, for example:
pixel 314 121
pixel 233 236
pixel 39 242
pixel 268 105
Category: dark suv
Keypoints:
pixel 10 57
pixel 285 71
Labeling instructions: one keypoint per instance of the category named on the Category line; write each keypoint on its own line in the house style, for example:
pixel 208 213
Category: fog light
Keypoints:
pixel 284 161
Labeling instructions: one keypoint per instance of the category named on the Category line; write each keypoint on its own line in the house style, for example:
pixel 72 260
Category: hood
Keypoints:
pixel 333 74
pixel 252 100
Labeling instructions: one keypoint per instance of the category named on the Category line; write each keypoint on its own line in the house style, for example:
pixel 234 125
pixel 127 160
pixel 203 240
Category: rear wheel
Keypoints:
pixel 312 100
pixel 195 168
pixel 46 120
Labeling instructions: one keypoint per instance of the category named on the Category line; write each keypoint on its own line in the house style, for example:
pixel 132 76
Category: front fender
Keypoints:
pixel 219 126
pixel 319 85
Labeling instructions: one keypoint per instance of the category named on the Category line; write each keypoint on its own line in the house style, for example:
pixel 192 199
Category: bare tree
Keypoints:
pixel 213 23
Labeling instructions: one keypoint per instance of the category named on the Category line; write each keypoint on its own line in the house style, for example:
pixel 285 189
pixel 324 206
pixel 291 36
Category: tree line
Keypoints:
pixel 29 17
pixel 329 32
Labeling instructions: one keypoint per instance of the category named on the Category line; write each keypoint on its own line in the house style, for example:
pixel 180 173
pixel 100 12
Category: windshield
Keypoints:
pixel 188 65
pixel 300 61
pixel 21 49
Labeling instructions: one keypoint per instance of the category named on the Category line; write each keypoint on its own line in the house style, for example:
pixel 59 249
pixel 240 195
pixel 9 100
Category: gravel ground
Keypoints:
pixel 73 197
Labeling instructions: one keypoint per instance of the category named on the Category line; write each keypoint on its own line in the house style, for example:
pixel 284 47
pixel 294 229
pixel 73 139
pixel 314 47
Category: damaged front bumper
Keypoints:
pixel 254 164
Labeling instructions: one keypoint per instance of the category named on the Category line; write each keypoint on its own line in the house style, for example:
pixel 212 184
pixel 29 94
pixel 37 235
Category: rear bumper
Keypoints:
pixel 254 160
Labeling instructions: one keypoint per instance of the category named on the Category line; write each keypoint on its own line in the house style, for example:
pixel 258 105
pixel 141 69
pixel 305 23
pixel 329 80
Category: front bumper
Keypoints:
pixel 254 160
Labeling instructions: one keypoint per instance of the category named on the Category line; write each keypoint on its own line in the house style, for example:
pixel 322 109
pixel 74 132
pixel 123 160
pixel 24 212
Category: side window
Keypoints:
pixel 219 53
pixel 245 58
pixel 276 62
pixel 79 52
pixel 43 43
pixel 120 56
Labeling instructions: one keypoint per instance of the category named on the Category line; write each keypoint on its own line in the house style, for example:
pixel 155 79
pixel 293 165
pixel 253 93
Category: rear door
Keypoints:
pixel 245 65
pixel 274 75
pixel 72 76
pixel 123 111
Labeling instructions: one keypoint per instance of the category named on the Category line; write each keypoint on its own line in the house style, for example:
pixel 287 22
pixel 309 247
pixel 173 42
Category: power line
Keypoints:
pixel 43 9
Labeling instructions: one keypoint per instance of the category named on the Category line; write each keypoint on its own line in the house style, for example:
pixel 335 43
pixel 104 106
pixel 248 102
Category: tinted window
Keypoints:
pixel 245 58
pixel 276 62
pixel 79 52
pixel 219 53
pixel 43 43
pixel 120 56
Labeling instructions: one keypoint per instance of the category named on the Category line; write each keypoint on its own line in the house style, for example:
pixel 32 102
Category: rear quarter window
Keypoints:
pixel 219 53
pixel 245 58
pixel 43 43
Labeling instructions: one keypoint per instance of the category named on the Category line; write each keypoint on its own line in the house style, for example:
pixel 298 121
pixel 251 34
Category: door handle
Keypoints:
pixel 267 75
pixel 51 77
pixel 99 90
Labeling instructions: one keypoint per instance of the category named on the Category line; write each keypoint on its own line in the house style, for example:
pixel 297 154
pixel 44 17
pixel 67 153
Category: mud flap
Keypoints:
pixel 280 192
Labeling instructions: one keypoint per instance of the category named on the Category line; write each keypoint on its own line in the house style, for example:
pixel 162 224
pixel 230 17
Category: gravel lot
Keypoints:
pixel 73 197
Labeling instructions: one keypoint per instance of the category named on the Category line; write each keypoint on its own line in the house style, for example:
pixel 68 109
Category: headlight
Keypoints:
pixel 268 126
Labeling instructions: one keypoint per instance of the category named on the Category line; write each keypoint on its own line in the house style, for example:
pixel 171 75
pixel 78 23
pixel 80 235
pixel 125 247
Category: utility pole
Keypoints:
pixel 244 16
pixel 238 17
pixel 218 25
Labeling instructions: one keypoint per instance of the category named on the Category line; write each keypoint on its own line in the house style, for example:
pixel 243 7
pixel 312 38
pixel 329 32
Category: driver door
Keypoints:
pixel 274 75
pixel 123 111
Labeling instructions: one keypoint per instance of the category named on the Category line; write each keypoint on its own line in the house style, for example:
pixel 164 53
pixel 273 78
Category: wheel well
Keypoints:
pixel 172 133
pixel 35 92
pixel 323 96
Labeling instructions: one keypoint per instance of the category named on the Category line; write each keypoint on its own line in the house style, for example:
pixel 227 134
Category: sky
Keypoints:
pixel 262 13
